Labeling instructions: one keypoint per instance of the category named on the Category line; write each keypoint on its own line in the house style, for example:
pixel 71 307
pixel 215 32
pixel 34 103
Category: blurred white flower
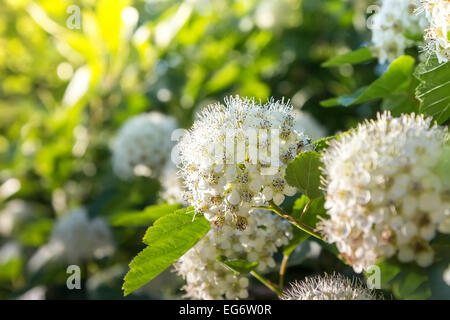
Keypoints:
pixel 143 145
pixel 328 287
pixel 235 156
pixel 382 193
pixel 273 14
pixel 437 35
pixel 396 25
pixel 447 275
pixel 12 215
pixel 36 293
pixel 208 279
pixel 8 251
pixel 75 238
pixel 77 87
pixel 9 187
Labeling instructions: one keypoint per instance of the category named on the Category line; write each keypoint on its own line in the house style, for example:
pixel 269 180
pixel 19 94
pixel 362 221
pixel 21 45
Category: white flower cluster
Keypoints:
pixel 143 145
pixel 208 279
pixel 438 34
pixel 75 238
pixel 225 184
pixel 306 123
pixel 396 24
pixel 328 287
pixel 382 194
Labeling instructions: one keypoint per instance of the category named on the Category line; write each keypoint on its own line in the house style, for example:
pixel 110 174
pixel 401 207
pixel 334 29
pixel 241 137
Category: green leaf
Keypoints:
pixel 12 269
pixel 443 167
pixel 311 217
pixel 322 143
pixel 407 281
pixel 144 217
pixel 434 88
pixel 396 79
pixel 36 233
pixel 304 174
pixel 169 238
pixel 353 57
pixel 237 266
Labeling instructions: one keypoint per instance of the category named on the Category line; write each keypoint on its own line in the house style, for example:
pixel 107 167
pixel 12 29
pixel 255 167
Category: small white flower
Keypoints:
pixel 143 145
pixel 328 287
pixel 395 26
pixel 208 279
pixel 235 156
pixel 437 35
pixel 377 205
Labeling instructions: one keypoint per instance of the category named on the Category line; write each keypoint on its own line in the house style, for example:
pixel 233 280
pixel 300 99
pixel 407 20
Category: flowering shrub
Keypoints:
pixel 222 149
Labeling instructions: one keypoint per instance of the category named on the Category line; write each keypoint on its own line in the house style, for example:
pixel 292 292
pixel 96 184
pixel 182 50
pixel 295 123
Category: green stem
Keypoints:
pixel 283 270
pixel 300 225
pixel 267 283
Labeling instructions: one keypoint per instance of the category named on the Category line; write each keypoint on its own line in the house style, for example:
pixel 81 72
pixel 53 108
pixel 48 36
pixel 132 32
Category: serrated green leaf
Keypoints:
pixel 144 217
pixel 304 174
pixel 434 88
pixel 354 57
pixel 169 238
pixel 237 266
pixel 166 227
pixel 395 80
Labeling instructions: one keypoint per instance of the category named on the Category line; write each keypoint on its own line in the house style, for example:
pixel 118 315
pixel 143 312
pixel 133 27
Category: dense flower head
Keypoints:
pixel 396 24
pixel 438 33
pixel 143 145
pixel 328 287
pixel 383 195
pixel 235 156
pixel 75 238
pixel 207 279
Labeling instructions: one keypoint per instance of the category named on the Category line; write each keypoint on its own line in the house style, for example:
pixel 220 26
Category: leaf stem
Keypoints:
pixel 300 225
pixel 267 283
pixel 283 270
